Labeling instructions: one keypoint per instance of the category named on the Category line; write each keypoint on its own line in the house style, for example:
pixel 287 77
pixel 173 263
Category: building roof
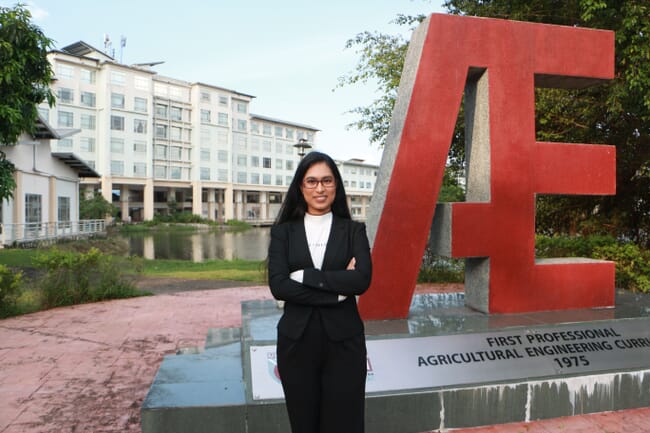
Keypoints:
pixel 82 49
pixel 76 163
pixel 284 122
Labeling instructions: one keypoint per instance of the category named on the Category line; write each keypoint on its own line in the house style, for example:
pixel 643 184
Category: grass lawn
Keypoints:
pixel 17 257
pixel 238 270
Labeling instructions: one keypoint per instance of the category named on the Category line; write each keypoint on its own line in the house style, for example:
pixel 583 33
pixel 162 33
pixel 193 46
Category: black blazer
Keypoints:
pixel 320 289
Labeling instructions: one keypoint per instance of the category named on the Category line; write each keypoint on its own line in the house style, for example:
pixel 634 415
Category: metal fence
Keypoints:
pixel 35 233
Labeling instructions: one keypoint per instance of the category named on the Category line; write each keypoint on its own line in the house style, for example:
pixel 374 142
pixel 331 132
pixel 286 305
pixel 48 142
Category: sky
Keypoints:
pixel 289 54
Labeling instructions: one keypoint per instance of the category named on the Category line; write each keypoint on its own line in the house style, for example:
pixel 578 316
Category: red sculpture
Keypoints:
pixel 497 64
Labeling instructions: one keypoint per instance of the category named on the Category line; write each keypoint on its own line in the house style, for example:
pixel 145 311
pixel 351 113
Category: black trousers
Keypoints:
pixel 324 381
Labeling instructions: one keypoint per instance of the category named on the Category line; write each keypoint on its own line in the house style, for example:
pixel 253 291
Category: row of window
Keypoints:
pixel 34 208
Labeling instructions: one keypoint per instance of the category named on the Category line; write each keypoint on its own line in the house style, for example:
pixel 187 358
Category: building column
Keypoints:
pixel 197 198
pixel 19 206
pixel 264 205
pixel 53 205
pixel 239 211
pixel 147 200
pixel 124 203
pixel 228 202
pixel 364 204
pixel 107 188
pixel 89 192
pixel 171 198
pixel 211 205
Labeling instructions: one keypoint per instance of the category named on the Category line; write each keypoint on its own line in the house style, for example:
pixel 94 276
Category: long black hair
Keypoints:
pixel 294 205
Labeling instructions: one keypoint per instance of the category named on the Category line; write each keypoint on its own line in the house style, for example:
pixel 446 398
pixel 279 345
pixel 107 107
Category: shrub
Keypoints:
pixel 10 289
pixel 632 265
pixel 437 269
pixel 570 246
pixel 74 278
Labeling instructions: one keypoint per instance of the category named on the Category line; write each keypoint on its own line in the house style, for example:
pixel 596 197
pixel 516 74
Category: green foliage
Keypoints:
pixel 238 224
pixel 632 265
pixel 25 76
pixel 10 290
pixel 570 246
pixel 96 207
pixel 437 269
pixel 184 217
pixel 74 278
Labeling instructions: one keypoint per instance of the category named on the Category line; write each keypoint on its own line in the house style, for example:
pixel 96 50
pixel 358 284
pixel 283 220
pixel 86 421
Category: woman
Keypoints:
pixel 319 260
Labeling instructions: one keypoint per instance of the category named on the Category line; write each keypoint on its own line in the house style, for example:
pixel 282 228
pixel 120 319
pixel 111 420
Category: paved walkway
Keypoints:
pixel 88 368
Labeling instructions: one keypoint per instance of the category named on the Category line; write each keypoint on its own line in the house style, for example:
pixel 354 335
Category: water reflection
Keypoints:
pixel 250 244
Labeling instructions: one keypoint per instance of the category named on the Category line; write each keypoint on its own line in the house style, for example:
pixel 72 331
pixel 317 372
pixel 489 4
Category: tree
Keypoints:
pixel 615 113
pixel 25 76
pixel 96 207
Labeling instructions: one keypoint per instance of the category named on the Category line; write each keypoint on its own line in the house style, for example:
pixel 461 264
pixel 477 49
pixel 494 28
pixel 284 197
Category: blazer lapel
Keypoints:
pixel 335 242
pixel 300 243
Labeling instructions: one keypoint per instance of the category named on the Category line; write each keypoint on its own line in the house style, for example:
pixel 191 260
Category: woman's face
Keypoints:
pixel 319 188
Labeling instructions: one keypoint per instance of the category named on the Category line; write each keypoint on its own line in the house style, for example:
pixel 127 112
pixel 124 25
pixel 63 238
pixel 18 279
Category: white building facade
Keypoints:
pixel 161 144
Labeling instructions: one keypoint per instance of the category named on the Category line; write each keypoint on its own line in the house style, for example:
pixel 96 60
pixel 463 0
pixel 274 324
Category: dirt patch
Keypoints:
pixel 165 286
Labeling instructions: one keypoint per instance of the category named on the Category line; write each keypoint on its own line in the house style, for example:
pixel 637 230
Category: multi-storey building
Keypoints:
pixel 162 143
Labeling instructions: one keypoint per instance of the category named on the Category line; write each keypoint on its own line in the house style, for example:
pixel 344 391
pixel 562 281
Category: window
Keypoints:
pixel 88 99
pixel 279 147
pixel 205 154
pixel 117 123
pixel 289 165
pixel 176 113
pixel 255 161
pixel 87 76
pixel 117 145
pixel 278 180
pixel 175 173
pixel 255 127
pixel 117 100
pixel 222 175
pixel 66 119
pixel 288 180
pixel 278 131
pixel 241 125
pixel 205 97
pixel 223 101
pixel 300 134
pixel 175 153
pixel 33 210
pixel 266 179
pixel 255 144
pixel 222 156
pixel 117 168
pixel 139 169
pixel 241 160
pixel 88 121
pixel 278 164
pixel 141 83
pixel 241 177
pixel 140 104
pixel 63 206
pixel 65 143
pixel 241 108
pixel 289 133
pixel 160 172
pixel 205 173
pixel 266 145
pixel 118 78
pixel 140 146
pixel 205 116
pixel 65 95
pixel 266 129
pixel 255 178
pixel 176 133
pixel 222 119
pixel 266 162
pixel 161 151
pixel 241 142
pixel 64 71
pixel 161 131
pixel 289 149
pixel 139 126
pixel 161 111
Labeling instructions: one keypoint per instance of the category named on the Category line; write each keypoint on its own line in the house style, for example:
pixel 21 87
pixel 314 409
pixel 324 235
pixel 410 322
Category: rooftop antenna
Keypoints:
pixel 107 44
pixel 122 45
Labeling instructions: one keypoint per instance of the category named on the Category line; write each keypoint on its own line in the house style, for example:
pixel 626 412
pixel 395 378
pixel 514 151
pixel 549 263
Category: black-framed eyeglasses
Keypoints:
pixel 312 182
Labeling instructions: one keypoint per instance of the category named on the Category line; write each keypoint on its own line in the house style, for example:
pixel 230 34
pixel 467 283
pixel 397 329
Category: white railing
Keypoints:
pixel 16 234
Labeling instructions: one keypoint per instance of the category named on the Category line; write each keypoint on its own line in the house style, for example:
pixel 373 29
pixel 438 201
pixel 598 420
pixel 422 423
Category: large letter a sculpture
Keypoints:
pixel 497 65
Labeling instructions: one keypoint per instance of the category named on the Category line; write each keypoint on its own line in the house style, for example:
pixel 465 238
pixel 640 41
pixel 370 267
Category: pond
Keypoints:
pixel 198 246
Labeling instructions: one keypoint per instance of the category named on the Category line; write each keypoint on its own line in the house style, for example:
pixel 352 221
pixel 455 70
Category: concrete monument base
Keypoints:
pixel 446 366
